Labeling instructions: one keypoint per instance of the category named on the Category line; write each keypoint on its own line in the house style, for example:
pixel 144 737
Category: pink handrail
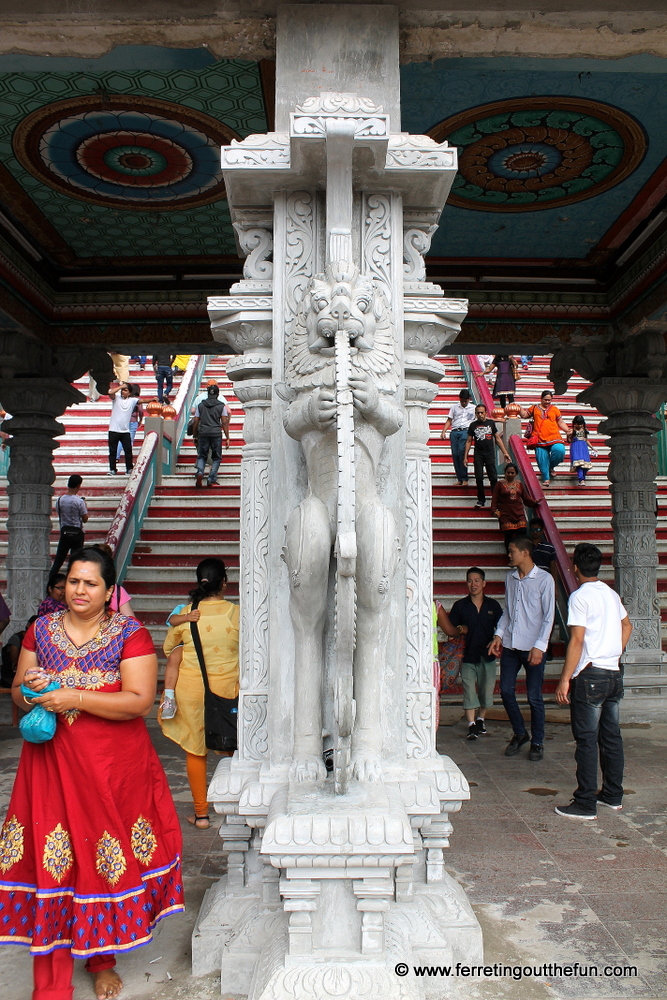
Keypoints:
pixel 131 492
pixel 481 383
pixel 531 484
pixel 534 490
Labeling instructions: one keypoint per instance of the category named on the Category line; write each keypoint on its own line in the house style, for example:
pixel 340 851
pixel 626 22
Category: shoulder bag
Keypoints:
pixel 220 714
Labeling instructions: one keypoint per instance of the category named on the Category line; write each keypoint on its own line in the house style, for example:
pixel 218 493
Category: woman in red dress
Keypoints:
pixel 90 852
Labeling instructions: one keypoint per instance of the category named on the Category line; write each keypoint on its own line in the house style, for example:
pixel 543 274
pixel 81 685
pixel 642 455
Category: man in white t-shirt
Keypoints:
pixel 122 407
pixel 592 682
pixel 461 415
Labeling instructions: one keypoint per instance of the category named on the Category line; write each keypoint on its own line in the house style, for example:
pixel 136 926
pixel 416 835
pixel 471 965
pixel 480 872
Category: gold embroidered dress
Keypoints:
pixel 219 631
pixel 90 852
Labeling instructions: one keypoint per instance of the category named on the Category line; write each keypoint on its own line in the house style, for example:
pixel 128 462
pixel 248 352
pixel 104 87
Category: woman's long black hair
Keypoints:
pixel 211 575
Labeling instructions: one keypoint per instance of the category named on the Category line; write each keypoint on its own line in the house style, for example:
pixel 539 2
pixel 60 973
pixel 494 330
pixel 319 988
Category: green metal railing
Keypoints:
pixel 661 441
pixel 158 456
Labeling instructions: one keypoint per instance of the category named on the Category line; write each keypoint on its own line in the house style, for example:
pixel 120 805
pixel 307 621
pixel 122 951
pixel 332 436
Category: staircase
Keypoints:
pixel 464 537
pixel 184 524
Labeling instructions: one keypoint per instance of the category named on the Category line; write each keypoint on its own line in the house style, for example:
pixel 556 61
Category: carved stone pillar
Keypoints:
pixel 244 320
pixel 34 403
pixel 430 322
pixel 629 405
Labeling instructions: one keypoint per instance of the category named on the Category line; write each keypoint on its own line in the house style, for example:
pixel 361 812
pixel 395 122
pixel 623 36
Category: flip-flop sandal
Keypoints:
pixel 199 822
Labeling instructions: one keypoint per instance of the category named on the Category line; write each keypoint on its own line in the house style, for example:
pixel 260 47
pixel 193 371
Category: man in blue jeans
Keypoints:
pixel 592 682
pixel 521 639
pixel 461 415
pixel 164 375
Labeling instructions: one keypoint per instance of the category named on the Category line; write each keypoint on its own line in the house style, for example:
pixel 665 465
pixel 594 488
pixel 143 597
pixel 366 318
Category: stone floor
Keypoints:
pixel 545 888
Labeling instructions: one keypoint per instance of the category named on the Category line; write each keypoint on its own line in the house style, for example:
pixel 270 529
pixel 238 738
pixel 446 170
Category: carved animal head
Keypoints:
pixel 341 299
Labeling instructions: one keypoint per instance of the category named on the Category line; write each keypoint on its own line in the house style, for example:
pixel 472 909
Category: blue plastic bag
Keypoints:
pixel 38 725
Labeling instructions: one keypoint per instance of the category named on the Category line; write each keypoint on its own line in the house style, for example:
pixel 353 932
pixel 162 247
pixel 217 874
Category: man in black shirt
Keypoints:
pixel 484 434
pixel 476 617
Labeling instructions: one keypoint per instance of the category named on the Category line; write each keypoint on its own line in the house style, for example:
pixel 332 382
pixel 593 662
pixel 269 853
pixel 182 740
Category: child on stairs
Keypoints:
pixel 580 453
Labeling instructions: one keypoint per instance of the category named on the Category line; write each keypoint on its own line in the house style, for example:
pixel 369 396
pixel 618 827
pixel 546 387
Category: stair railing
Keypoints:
pixel 158 455
pixel 173 431
pixel 472 369
pixel 137 495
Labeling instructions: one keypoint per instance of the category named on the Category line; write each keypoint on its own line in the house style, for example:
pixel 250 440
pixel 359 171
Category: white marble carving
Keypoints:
pixel 333 878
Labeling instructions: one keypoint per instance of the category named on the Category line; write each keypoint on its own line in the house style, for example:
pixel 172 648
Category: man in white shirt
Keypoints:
pixel 461 415
pixel 122 407
pixel 522 634
pixel 592 682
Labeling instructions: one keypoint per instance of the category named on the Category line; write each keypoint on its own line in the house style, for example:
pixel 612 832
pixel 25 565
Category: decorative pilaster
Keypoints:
pixel 244 320
pixel 34 404
pixel 430 322
pixel 629 405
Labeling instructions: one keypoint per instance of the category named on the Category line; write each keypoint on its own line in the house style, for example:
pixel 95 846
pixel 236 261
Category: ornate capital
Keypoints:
pixel 38 401
pixel 629 397
pixel 642 355
pixel 24 356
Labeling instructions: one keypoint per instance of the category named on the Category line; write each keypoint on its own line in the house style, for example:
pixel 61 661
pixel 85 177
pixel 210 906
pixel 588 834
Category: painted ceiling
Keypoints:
pixel 111 164
pixel 124 162
pixel 614 110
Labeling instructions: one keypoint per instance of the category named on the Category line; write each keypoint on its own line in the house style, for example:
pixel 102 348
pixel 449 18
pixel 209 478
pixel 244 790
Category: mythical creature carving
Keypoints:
pixel 343 320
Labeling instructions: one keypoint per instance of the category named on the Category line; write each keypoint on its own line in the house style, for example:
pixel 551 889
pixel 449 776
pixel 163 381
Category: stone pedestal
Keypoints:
pixel 630 405
pixel 34 404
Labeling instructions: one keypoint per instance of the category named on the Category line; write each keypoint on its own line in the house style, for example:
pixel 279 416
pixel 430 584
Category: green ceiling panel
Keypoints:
pixel 228 91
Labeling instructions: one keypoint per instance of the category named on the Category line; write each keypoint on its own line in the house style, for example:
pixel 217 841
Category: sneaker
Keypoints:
pixel 213 482
pixel 536 751
pixel 515 744
pixel 168 708
pixel 472 732
pixel 328 760
pixel 112 472
pixel 199 479
pixel 609 805
pixel 575 811
pixel 479 505
pixel 480 727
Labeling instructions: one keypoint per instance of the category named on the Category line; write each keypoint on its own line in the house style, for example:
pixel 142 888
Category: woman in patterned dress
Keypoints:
pixel 90 851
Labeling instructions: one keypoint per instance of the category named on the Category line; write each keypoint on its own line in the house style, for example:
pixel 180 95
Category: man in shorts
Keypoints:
pixel 476 616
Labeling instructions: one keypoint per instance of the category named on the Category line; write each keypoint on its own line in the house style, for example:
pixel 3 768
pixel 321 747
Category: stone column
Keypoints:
pixel 34 404
pixel 430 322
pixel 629 405
pixel 244 320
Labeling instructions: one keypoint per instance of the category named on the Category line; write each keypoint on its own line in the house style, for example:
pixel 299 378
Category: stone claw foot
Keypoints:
pixel 307 768
pixel 367 767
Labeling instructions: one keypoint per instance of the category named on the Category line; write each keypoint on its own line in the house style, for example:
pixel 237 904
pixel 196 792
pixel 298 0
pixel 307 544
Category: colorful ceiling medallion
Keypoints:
pixel 129 152
pixel 533 153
